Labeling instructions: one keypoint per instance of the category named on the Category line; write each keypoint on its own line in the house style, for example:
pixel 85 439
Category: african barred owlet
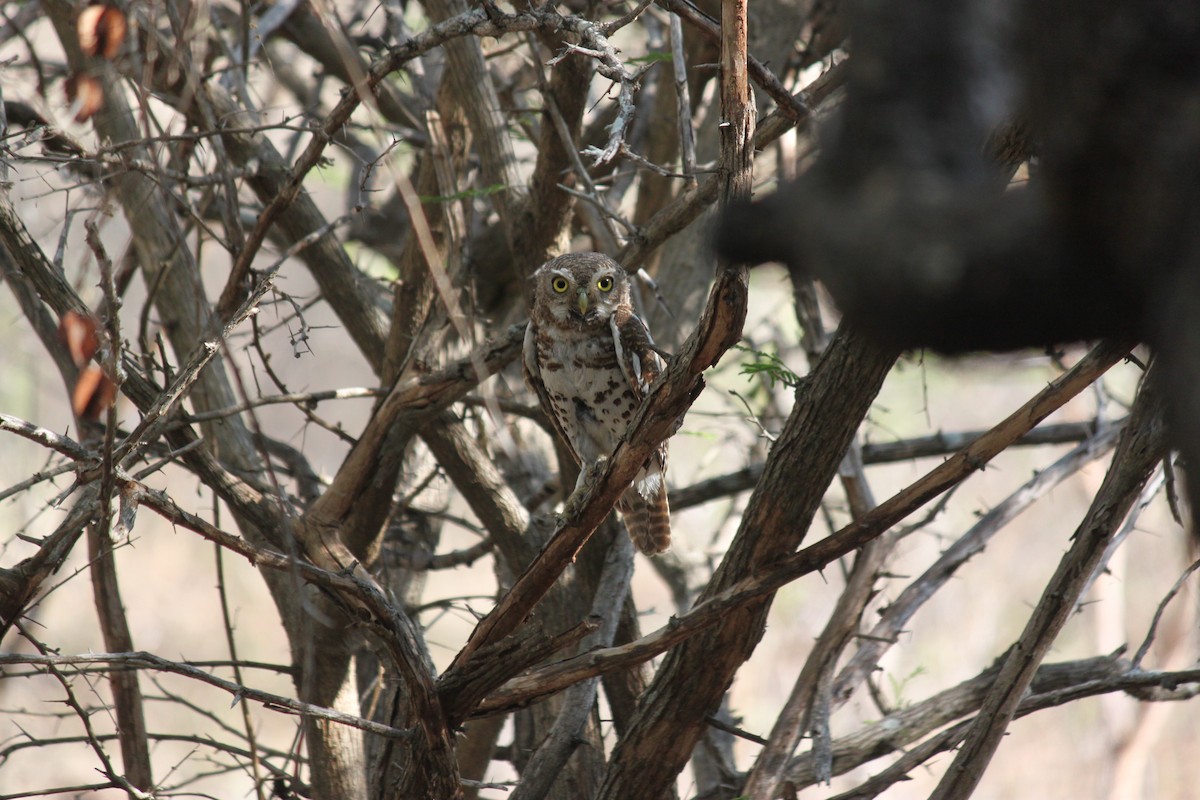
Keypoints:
pixel 590 360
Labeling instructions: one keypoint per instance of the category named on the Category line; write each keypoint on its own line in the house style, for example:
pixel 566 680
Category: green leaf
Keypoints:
pixel 465 194
pixel 768 365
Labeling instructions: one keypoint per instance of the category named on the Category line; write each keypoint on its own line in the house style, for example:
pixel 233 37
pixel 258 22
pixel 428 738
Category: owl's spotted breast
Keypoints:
pixel 590 398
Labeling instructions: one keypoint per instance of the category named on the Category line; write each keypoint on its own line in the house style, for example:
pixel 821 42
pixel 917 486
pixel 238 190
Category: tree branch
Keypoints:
pixel 142 660
pixel 1142 446
pixel 829 380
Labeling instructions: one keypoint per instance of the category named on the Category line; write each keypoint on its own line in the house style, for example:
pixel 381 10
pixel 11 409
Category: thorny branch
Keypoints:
pixel 554 677
pixel 223 190
pixel 149 661
pixel 476 22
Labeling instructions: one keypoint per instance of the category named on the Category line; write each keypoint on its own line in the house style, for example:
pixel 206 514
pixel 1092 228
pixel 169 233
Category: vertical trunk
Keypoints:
pixel 694 676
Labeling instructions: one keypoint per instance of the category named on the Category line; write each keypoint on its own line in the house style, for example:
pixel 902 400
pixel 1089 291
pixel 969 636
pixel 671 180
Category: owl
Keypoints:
pixel 590 360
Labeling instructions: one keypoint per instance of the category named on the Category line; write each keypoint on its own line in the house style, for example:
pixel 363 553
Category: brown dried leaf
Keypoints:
pixel 86 96
pixel 93 393
pixel 79 333
pixel 101 30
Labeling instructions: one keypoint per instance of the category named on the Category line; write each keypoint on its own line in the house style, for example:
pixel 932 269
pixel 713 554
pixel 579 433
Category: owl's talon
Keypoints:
pixel 590 474
pixel 596 470
pixel 569 509
pixel 588 477
pixel 572 506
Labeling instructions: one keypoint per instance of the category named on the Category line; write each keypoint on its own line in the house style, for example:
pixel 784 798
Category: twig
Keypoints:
pixel 597 216
pixel 683 101
pixel 735 731
pixel 36 478
pixel 610 66
pixel 420 562
pixel 715 608
pixel 296 398
pixel 620 22
pixel 646 163
pixel 47 438
pixel 107 768
pixel 142 660
pixel 1142 650
pixel 1142 445
pixel 155 418
pixel 897 613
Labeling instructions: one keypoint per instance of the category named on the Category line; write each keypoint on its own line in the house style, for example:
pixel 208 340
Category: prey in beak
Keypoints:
pixel 580 311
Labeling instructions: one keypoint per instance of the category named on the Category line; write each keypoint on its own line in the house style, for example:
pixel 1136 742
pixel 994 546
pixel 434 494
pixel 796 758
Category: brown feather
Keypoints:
pixel 591 361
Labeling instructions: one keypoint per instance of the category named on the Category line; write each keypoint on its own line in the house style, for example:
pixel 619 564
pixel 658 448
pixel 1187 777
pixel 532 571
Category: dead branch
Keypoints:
pixel 1141 447
pixel 149 661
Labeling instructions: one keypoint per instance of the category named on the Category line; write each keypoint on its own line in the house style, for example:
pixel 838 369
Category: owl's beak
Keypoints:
pixel 583 303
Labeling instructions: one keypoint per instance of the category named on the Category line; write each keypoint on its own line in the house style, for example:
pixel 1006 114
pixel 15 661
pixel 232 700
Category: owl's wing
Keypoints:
pixel 636 352
pixel 644 506
pixel 533 379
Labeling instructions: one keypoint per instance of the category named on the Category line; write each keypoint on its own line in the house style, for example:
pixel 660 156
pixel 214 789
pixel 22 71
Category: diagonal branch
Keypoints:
pixel 1142 446
pixel 475 22
pixel 937 444
pixel 149 661
pixel 897 614
pixel 756 585
pixel 411 402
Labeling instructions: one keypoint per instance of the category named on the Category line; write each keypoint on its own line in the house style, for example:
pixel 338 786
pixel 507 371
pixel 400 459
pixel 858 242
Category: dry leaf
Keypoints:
pixel 86 96
pixel 79 332
pixel 93 392
pixel 101 30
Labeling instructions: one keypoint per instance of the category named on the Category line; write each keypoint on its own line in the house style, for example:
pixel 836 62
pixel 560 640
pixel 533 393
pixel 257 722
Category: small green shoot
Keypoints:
pixel 768 365
pixel 898 686
pixel 465 194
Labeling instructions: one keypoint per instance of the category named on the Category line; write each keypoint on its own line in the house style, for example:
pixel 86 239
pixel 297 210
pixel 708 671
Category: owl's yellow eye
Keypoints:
pixel 605 284
pixel 559 284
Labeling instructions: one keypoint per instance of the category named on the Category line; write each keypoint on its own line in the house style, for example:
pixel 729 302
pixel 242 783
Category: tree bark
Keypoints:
pixel 694 676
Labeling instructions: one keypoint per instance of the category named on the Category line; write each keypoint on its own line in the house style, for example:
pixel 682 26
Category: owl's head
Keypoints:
pixel 581 289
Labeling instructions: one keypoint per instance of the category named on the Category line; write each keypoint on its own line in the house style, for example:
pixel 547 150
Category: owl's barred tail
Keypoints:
pixel 648 519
